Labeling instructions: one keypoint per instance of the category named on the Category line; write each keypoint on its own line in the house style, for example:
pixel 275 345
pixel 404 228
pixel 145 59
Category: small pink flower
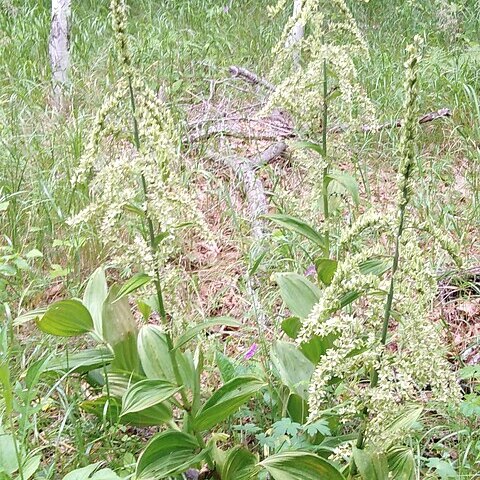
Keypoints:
pixel 251 352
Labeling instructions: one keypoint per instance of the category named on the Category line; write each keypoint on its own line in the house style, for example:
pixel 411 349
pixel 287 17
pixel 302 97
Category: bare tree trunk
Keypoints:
pixel 297 33
pixel 58 48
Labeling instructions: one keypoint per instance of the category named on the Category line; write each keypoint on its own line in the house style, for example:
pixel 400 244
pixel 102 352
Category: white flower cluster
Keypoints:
pixel 333 37
pixel 412 366
pixel 132 168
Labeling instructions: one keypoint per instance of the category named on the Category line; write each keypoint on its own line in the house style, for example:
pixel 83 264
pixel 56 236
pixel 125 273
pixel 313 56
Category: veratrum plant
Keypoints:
pixel 319 87
pixel 333 39
pixel 379 358
pixel 148 373
pixel 131 166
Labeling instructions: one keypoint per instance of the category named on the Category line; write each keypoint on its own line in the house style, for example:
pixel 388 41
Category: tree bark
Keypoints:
pixel 58 48
pixel 297 33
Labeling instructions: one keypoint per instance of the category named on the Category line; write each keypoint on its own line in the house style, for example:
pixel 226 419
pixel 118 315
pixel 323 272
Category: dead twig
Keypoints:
pixel 251 77
pixel 427 117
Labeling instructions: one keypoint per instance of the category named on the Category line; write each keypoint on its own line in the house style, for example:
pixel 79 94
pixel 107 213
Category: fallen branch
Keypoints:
pixel 251 77
pixel 427 117
pixel 221 131
pixel 271 152
pixel 284 133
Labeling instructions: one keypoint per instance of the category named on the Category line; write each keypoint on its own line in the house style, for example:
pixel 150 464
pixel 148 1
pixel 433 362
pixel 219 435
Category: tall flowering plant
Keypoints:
pixel 380 360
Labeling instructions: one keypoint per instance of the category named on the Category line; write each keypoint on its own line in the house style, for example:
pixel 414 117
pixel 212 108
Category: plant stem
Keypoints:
pixel 388 311
pixel 158 285
pixel 325 181
pixel 151 230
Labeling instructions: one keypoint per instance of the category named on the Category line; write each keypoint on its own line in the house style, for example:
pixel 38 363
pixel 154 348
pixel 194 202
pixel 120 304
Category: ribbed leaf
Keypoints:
pixel 226 401
pixel 240 464
pixel 168 453
pixel 120 332
pixel 110 408
pixel 348 182
pixel 300 465
pixel 371 465
pixel 298 226
pixel 81 362
pixel 401 463
pixel 95 294
pixel 153 353
pixel 298 293
pixel 145 394
pixel 194 331
pixel 66 318
pixel 137 281
pixel 293 366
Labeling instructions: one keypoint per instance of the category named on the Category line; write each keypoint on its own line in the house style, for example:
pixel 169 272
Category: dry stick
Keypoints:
pixel 427 117
pixel 282 132
pixel 220 131
pixel 250 77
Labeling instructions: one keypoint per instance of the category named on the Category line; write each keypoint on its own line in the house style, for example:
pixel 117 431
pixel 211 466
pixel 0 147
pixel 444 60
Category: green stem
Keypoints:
pixel 386 320
pixel 325 182
pixel 157 281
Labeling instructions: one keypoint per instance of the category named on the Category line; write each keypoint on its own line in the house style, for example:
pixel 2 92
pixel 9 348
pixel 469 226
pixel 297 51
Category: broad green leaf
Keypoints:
pixel 226 400
pixel 144 308
pixel 404 421
pixel 120 332
pixel 298 226
pixel 300 465
pixel 66 318
pixel 294 368
pixel 443 468
pixel 298 293
pixel 8 455
pixel 154 354
pixel 186 365
pixel 105 474
pixel 110 408
pixel 401 463
pixel 137 281
pixel 316 347
pixel 30 467
pixel 145 394
pixel 240 464
pixel 36 369
pixel 348 182
pixel 34 253
pixel 326 269
pixel 80 362
pixel 371 465
pixel 375 266
pixel 94 296
pixel 194 331
pixel 225 365
pixel 92 472
pixel 168 453
pixel 83 473
pixel 292 326
pixel 297 408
